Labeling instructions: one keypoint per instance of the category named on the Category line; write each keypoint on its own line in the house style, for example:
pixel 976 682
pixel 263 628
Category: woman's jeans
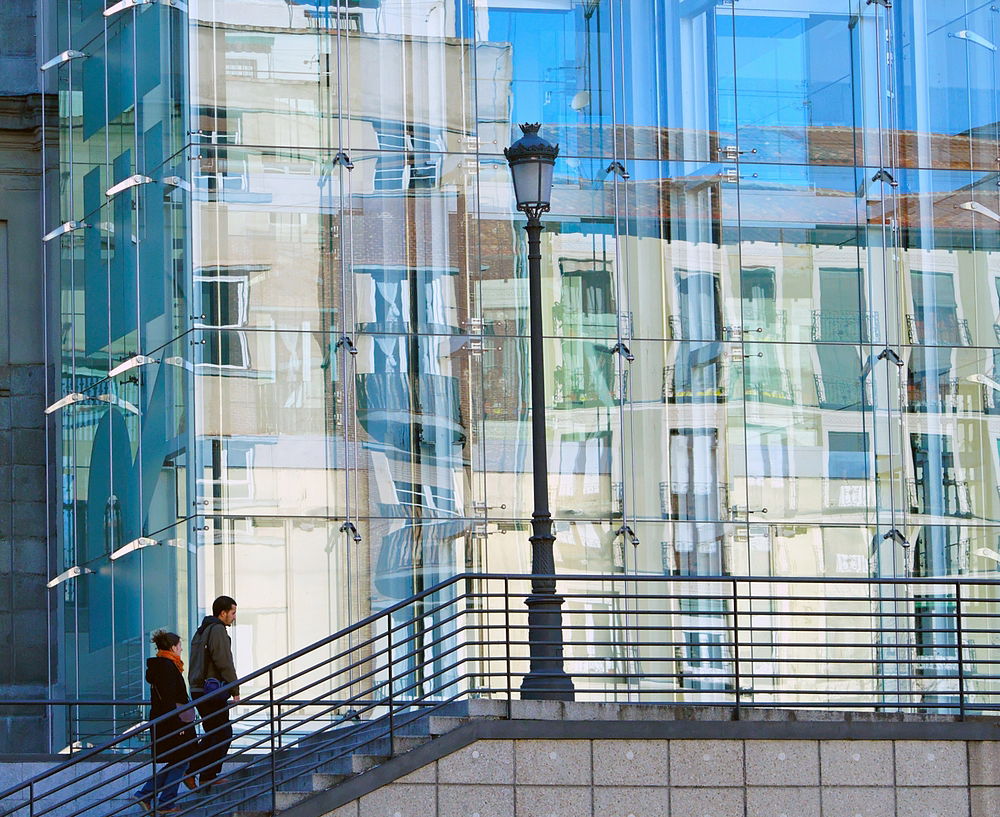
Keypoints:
pixel 165 783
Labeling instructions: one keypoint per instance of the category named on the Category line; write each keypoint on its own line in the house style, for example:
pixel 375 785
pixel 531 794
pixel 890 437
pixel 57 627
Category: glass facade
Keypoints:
pixel 295 319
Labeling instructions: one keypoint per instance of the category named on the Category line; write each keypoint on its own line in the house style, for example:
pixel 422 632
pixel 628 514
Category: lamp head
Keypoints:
pixel 531 159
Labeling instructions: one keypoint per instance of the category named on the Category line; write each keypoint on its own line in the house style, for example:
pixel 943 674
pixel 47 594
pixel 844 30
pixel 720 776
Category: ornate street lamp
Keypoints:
pixel 531 160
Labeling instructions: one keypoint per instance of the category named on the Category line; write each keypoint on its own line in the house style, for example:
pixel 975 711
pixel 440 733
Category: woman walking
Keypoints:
pixel 173 739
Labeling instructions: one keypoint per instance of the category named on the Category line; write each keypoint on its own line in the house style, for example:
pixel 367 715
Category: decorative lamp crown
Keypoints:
pixel 531 159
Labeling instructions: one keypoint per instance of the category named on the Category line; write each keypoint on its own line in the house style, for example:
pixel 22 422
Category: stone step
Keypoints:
pixel 287 799
pixel 441 724
pixel 486 708
pixel 322 782
pixel 362 763
pixel 405 743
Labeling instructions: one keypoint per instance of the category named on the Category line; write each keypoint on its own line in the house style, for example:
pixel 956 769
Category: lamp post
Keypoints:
pixel 531 160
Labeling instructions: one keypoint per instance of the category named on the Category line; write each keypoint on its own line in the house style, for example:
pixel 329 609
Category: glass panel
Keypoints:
pixel 947 105
pixel 794 81
pixel 360 79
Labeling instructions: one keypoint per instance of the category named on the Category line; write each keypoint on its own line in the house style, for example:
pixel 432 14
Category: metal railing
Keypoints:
pixel 919 645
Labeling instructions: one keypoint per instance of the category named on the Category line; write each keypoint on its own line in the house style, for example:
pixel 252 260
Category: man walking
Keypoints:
pixel 212 666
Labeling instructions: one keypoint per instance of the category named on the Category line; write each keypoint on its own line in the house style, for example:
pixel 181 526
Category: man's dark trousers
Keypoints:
pixel 218 734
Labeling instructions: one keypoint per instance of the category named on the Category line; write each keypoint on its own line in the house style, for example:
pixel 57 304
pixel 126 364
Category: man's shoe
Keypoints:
pixel 169 810
pixel 190 782
pixel 211 782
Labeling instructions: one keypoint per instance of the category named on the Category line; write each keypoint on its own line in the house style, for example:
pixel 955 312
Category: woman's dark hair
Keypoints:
pixel 165 640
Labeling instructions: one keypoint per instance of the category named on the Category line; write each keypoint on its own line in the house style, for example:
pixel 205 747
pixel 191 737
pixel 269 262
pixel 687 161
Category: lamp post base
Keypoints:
pixel 546 679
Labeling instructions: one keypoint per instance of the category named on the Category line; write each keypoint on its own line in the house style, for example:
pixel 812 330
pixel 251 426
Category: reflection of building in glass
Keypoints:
pixel 773 323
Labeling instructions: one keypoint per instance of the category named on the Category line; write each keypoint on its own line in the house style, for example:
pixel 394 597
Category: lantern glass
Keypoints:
pixel 532 182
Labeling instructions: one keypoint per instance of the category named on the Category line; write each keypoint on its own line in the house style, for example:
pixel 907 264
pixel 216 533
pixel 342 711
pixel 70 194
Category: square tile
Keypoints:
pixel 985 801
pixel 553 801
pixel 475 801
pixel 915 801
pixel 425 774
pixel 984 762
pixel 783 801
pixel 856 763
pixel 782 762
pixel 631 762
pixel 631 801
pixel 706 762
pixel 485 761
pixel 552 762
pixel 931 763
pixel 858 801
pixel 706 802
pixel 400 800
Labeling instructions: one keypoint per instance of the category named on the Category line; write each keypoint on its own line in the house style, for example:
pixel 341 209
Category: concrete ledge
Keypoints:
pixel 554 720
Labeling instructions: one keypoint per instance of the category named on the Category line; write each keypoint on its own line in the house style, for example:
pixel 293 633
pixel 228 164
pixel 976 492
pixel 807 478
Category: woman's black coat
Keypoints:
pixel 168 690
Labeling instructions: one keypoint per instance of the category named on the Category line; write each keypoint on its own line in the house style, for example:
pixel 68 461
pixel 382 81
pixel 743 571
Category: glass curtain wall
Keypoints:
pixel 295 314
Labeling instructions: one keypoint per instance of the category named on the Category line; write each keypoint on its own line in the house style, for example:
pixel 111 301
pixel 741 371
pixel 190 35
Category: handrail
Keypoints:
pixel 80 758
pixel 445 644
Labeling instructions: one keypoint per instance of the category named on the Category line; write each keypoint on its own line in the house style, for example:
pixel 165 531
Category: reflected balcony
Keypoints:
pixel 946 330
pixel 846 494
pixel 951 497
pixel 842 393
pixel 831 326
pixel 694 501
pixel 942 396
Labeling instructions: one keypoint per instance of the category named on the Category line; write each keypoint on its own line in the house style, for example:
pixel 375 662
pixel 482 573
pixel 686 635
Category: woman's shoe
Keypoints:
pixel 146 805
pixel 190 782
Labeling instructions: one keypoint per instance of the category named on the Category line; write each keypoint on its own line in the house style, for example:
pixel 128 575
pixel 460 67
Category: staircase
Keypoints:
pixel 306 723
pixel 321 763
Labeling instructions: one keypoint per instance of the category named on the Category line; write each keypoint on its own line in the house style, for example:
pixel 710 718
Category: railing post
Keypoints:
pixel 506 628
pixel 274 758
pixel 388 641
pixel 736 646
pixel 31 800
pixel 960 652
pixel 280 730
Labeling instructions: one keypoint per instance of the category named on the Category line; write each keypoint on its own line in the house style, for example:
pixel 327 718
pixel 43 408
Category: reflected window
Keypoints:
pixel 767 452
pixel 698 367
pixel 432 498
pixel 759 297
pixel 399 300
pixel 931 384
pixel 697 499
pixel 586 453
pixel 225 301
pixel 936 488
pixel 231 475
pixel 841 317
pixel 705 649
pixel 847 455
pixel 695 491
pixel 937 652
pixel 410 157
pixel 935 318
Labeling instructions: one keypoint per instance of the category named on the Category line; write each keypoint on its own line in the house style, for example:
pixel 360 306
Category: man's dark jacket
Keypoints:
pixel 212 656
pixel 166 691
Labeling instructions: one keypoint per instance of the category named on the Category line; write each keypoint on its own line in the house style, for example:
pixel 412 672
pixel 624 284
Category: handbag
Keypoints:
pixel 186 715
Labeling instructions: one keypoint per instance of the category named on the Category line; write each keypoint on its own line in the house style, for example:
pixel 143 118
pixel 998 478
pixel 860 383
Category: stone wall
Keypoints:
pixel 25 513
pixel 697 778
pixel 23 562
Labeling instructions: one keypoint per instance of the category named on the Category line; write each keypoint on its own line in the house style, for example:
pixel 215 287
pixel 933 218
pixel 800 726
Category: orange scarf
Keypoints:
pixel 173 657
